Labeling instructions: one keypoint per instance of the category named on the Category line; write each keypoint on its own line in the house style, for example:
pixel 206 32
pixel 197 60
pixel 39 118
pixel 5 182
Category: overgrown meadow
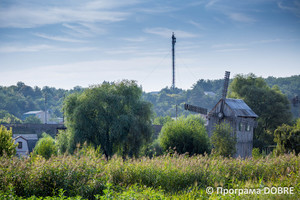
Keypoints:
pixel 87 175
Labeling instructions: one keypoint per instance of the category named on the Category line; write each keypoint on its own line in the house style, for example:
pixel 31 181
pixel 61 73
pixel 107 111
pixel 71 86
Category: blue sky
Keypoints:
pixel 66 43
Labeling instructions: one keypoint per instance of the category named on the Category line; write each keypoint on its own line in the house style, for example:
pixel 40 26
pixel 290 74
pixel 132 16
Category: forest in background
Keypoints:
pixel 20 98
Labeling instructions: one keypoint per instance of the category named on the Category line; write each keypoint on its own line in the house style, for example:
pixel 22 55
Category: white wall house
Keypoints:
pixel 25 143
pixel 44 119
pixel 22 146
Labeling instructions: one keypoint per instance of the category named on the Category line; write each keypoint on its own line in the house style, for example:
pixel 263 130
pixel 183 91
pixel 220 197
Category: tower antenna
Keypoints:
pixel 173 60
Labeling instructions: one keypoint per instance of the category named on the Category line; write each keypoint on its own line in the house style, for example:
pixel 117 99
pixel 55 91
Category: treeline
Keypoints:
pixel 206 93
pixel 20 98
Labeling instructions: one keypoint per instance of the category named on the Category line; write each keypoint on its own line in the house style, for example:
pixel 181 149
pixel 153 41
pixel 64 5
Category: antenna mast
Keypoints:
pixel 173 59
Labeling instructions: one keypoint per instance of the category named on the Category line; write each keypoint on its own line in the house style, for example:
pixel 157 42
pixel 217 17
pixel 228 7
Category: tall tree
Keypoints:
pixel 7 145
pixel 272 107
pixel 112 115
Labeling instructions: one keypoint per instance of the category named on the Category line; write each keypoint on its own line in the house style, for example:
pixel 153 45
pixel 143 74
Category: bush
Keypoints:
pixel 63 141
pixel 7 145
pixel 32 120
pixel 185 135
pixel 255 153
pixel 45 146
pixel 87 175
pixel 224 140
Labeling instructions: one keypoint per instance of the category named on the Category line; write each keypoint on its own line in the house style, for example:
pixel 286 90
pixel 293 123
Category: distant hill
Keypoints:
pixel 20 98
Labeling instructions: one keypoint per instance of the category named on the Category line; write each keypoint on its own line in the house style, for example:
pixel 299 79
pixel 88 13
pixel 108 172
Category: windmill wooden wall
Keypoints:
pixel 241 118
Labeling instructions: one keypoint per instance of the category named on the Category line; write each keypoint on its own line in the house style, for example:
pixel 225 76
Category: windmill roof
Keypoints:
pixel 240 108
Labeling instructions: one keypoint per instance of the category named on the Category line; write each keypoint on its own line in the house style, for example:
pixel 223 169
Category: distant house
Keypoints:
pixel 41 115
pixel 25 142
pixel 210 93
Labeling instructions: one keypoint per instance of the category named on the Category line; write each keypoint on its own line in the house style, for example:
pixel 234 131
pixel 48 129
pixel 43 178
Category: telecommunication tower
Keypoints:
pixel 173 60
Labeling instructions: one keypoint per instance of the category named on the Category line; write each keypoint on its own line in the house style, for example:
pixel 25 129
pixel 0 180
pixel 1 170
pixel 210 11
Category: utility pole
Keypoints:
pixel 45 107
pixel 173 60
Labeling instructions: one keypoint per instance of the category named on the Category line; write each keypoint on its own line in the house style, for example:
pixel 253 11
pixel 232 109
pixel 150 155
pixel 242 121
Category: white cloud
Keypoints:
pixel 34 15
pixel 41 47
pixel 136 39
pixel 211 3
pixel 33 48
pixel 165 32
pixel 231 50
pixel 240 17
pixel 58 38
pixel 293 7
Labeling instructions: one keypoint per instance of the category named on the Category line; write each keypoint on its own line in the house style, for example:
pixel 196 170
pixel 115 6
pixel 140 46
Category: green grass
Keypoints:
pixel 87 176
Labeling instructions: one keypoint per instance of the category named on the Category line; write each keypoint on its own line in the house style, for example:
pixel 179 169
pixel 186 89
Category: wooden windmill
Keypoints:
pixel 203 111
pixel 234 112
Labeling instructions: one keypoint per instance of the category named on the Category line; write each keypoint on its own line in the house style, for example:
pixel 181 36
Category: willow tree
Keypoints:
pixel 112 115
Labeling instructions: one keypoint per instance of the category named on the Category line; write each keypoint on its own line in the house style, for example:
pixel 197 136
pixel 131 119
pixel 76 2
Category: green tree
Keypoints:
pixel 6 118
pixel 288 138
pixel 162 120
pixel 272 107
pixel 112 115
pixel 45 146
pixel 32 120
pixel 224 140
pixel 7 145
pixel 185 135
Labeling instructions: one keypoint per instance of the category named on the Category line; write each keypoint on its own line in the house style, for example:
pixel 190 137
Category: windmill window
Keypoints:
pixel 241 126
pixel 20 145
pixel 248 127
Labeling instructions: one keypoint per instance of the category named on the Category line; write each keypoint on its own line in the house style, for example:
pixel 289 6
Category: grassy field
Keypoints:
pixel 87 175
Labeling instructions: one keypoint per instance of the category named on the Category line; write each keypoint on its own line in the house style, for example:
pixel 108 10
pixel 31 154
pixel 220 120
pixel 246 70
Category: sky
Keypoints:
pixel 68 43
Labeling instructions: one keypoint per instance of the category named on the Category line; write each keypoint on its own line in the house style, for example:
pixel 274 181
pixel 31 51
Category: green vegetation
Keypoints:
pixel 7 145
pixel 185 135
pixel 32 120
pixel 6 118
pixel 45 146
pixel 288 138
pixel 87 174
pixel 21 98
pixel 112 115
pixel 272 107
pixel 224 140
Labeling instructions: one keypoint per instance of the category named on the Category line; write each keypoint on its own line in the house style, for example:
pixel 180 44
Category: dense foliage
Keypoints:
pixel 223 140
pixel 45 146
pixel 7 145
pixel 89 175
pixel 21 98
pixel 288 138
pixel 112 115
pixel 185 135
pixel 272 107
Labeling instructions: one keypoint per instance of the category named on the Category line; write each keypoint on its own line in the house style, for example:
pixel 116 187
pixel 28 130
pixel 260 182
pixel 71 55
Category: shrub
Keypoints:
pixel 7 145
pixel 63 141
pixel 32 120
pixel 45 146
pixel 224 140
pixel 255 153
pixel 185 135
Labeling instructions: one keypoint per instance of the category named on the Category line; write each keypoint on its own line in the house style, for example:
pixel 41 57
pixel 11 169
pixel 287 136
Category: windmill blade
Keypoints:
pixel 195 109
pixel 225 87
